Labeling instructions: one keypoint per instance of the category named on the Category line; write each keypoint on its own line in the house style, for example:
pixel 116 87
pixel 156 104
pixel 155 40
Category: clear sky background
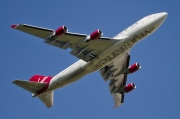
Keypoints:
pixel 157 94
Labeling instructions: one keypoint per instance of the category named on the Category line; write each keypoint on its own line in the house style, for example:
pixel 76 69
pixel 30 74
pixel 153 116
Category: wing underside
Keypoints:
pixel 81 49
pixel 115 73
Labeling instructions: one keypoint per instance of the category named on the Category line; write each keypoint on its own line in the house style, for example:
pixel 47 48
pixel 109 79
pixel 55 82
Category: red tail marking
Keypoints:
pixel 41 79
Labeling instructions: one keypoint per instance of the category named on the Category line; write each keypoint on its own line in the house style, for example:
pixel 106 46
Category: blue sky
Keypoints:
pixel 157 95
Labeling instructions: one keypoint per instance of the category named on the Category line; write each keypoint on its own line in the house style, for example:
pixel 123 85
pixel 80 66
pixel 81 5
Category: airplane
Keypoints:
pixel 111 56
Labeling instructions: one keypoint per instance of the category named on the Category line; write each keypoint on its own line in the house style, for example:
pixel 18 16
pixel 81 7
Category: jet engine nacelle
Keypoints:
pixel 134 68
pixel 95 35
pixel 60 31
pixel 129 87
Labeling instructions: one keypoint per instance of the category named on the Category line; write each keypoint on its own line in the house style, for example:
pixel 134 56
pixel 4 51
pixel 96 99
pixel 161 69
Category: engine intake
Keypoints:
pixel 128 88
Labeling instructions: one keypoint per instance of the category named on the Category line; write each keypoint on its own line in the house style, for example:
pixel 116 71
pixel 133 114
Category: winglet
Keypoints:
pixel 14 26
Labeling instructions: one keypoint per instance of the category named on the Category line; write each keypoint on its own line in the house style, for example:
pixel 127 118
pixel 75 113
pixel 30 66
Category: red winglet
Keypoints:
pixel 14 26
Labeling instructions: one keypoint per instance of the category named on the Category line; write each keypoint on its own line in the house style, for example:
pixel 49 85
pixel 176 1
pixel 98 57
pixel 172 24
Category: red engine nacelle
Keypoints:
pixel 134 68
pixel 61 30
pixel 95 35
pixel 129 87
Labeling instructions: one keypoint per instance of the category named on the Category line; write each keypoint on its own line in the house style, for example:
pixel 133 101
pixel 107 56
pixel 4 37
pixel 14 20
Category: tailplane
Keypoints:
pixel 47 98
pixel 38 86
pixel 32 87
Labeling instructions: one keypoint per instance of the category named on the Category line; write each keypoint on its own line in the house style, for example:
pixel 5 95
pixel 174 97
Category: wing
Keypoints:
pixel 114 72
pixel 81 49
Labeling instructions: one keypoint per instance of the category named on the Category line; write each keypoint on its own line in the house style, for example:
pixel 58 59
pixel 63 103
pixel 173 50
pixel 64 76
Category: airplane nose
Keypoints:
pixel 162 16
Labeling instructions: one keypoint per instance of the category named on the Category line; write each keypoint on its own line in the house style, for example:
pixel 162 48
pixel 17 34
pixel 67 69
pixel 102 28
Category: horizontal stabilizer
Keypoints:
pixel 47 98
pixel 32 87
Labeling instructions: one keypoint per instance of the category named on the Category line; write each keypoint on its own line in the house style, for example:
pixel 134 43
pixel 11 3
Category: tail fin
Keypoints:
pixel 40 79
pixel 38 86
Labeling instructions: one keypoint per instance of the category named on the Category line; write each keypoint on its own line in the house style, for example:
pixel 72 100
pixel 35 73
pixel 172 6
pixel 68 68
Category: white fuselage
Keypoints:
pixel 127 39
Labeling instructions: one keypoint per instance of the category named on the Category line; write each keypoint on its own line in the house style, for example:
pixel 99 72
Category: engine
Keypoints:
pixel 61 30
pixel 133 68
pixel 129 87
pixel 95 35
